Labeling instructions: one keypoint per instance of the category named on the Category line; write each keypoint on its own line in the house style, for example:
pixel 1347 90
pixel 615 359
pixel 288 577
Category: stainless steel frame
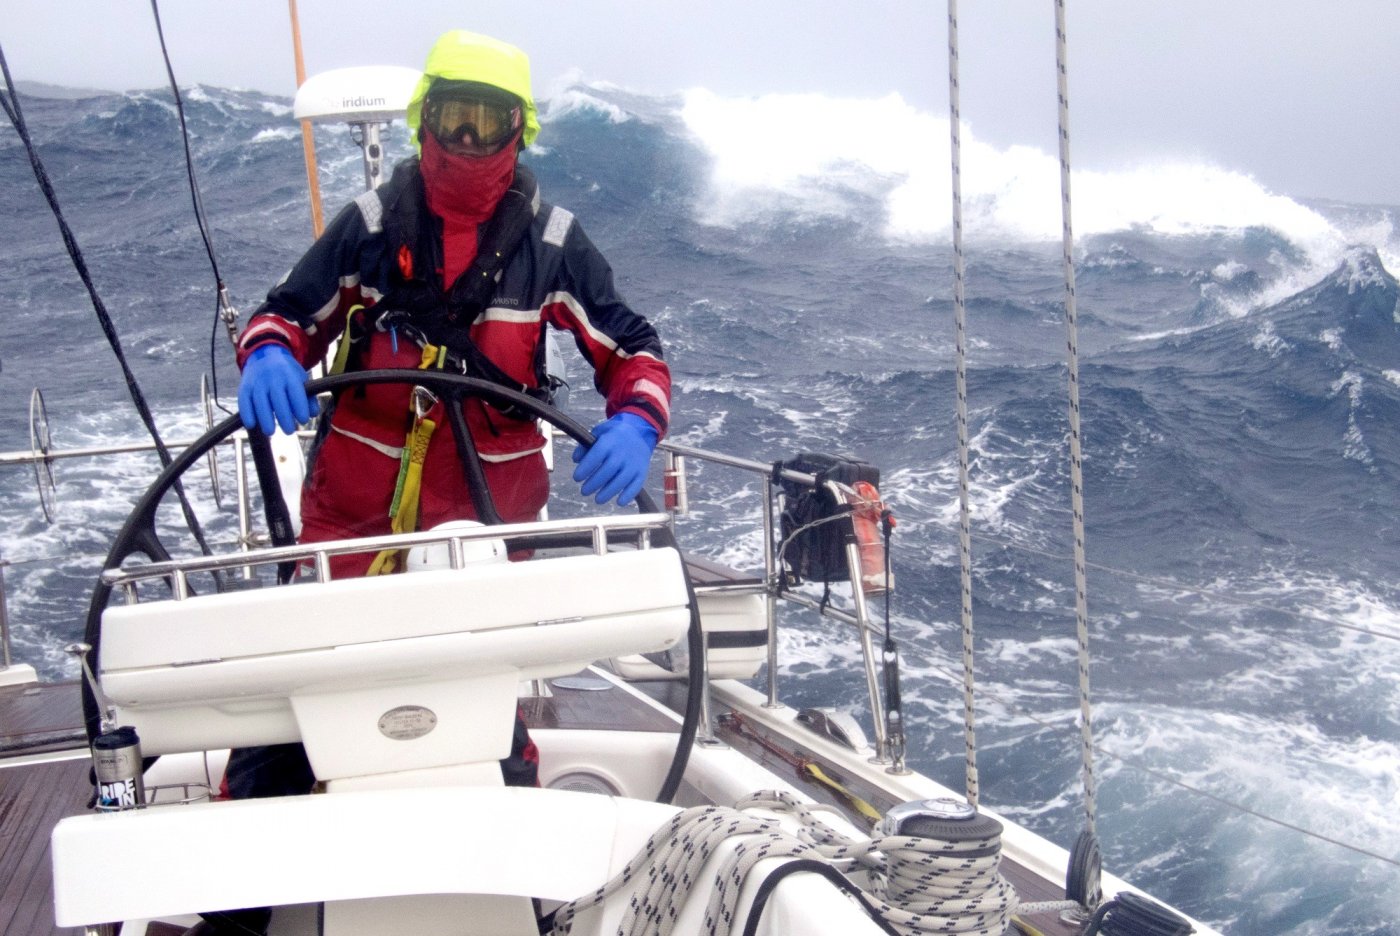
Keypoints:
pixel 678 457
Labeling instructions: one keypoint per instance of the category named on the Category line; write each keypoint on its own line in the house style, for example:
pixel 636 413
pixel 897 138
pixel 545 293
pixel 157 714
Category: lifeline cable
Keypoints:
pixel 223 309
pixel 16 115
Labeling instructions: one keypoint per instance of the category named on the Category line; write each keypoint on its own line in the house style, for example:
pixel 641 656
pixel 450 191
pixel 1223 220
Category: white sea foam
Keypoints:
pixel 810 650
pixel 92 497
pixel 999 474
pixel 1169 333
pixel 1228 270
pixel 1349 633
pixel 1361 271
pixel 1354 445
pixel 1326 765
pixel 789 154
pixel 144 97
pixel 277 134
pixel 575 99
pixel 1032 653
pixel 1269 341
pixel 1290 770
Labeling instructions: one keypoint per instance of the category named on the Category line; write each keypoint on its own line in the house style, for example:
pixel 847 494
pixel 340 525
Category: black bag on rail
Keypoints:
pixel 818 553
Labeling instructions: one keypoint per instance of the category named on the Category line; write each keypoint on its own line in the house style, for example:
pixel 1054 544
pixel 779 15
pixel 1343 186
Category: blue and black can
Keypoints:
pixel 116 759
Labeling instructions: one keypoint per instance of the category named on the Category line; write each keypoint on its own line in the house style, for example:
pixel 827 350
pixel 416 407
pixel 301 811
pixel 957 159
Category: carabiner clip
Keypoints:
pixel 423 401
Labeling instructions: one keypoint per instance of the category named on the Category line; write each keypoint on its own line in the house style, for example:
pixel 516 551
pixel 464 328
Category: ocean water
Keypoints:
pixel 1241 416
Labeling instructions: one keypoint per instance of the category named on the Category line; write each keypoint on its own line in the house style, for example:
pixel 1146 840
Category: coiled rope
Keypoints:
pixel 670 863
pixel 920 885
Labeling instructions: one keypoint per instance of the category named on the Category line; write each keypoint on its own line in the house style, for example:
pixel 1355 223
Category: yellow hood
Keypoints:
pixel 467 56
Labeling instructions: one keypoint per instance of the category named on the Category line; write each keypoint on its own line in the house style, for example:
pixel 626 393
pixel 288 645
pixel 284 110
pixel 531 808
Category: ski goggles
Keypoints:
pixel 458 115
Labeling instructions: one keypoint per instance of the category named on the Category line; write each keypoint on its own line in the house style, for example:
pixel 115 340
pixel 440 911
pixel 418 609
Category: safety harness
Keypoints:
pixel 439 322
pixel 417 309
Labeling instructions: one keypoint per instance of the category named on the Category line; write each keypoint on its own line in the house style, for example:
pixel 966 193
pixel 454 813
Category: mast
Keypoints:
pixel 308 142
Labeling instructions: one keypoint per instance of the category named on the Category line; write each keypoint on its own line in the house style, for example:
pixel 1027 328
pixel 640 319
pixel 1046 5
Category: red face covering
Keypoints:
pixel 463 191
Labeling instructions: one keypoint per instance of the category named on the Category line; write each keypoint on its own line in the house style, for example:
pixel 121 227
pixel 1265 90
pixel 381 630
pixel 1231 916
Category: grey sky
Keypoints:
pixel 1301 95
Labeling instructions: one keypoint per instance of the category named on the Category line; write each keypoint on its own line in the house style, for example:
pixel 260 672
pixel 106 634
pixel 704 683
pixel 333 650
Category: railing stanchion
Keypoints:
pixel 770 594
pixel 867 651
pixel 4 615
pixel 240 471
pixel 706 735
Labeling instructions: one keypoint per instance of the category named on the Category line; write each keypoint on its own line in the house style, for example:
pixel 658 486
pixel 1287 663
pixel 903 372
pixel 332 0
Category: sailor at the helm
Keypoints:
pixel 396 274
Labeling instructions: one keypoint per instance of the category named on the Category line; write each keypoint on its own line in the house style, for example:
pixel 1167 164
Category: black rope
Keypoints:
pixel 811 866
pixel 16 115
pixel 199 216
pixel 189 159
pixel 1131 915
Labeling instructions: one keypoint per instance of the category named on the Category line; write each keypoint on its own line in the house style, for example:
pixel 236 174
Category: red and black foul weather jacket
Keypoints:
pixel 388 239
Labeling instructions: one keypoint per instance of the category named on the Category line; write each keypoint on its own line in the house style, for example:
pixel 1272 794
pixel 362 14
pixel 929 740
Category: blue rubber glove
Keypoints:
pixel 272 392
pixel 616 464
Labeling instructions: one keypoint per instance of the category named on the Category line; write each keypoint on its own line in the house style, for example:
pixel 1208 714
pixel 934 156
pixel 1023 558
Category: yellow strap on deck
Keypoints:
pixel 860 805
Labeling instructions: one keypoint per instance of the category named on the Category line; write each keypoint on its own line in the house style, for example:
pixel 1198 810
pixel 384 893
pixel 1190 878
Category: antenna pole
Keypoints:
pixel 308 142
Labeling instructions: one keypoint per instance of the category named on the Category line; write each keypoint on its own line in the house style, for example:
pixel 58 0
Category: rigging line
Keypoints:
pixel 1174 585
pixel 16 114
pixel 189 158
pixel 1076 460
pixel 201 220
pixel 960 343
pixel 1174 781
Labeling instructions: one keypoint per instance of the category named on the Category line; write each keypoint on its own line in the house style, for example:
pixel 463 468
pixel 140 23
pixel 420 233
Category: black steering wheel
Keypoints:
pixel 138 533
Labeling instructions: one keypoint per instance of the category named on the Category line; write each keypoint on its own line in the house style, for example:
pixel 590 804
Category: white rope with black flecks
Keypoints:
pixel 669 864
pixel 923 885
pixel 960 346
pixel 1076 462
pixel 914 869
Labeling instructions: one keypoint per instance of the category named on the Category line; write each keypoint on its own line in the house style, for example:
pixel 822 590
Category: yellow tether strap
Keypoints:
pixel 860 805
pixel 403 508
pixel 342 350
